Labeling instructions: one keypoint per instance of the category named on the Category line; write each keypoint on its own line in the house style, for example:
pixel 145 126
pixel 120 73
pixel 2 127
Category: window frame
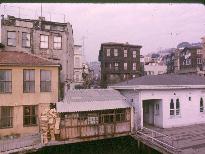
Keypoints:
pixel 30 116
pixel 9 118
pixel 26 40
pixel 45 81
pixel 44 41
pixel 7 81
pixel 125 66
pixel 116 66
pixel 61 42
pixel 134 66
pixel 115 52
pixel 31 82
pixel 11 38
pixel 134 54
pixel 125 53
pixel 108 52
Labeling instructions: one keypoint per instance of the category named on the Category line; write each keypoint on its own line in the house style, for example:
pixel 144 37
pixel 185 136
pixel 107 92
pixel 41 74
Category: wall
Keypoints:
pixel 17 98
pixel 65 55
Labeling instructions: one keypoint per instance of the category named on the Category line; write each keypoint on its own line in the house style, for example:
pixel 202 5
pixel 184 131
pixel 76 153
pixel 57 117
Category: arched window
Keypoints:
pixel 172 107
pixel 177 107
pixel 201 105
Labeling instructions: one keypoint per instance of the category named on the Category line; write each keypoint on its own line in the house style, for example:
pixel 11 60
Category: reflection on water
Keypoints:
pixel 120 145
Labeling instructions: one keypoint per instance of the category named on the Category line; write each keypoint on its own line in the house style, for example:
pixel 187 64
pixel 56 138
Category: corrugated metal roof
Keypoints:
pixel 90 106
pixel 91 99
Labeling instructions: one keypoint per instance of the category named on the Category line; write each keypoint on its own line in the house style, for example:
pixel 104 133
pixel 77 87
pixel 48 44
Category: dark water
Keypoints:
pixel 120 145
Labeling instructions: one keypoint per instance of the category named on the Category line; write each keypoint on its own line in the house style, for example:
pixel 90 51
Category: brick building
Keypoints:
pixel 191 60
pixel 119 61
pixel 51 40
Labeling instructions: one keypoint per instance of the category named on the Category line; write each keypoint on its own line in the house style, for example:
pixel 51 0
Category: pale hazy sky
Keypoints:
pixel 154 26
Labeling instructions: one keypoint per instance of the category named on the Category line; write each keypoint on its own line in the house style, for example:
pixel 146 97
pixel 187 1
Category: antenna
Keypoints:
pixel 41 10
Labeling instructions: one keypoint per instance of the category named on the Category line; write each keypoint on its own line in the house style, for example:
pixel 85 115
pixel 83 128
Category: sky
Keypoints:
pixel 154 26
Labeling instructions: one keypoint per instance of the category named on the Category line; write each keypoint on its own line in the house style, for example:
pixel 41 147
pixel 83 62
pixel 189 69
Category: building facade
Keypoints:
pixel 47 39
pixel 154 68
pixel 165 101
pixel 191 60
pixel 119 62
pixel 28 84
pixel 78 64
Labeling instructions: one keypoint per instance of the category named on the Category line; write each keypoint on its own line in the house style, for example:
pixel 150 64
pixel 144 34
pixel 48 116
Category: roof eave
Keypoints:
pixel 150 87
pixel 25 65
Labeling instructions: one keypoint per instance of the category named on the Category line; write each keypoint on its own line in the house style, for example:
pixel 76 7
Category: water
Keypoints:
pixel 120 145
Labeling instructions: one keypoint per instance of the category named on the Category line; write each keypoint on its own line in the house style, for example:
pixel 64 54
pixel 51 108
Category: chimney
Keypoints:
pixel 42 18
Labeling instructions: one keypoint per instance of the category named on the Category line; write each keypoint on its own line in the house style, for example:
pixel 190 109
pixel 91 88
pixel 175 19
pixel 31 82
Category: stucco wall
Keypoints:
pixel 17 98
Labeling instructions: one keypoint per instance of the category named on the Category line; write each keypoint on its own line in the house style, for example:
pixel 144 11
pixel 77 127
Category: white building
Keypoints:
pixel 78 64
pixel 155 68
pixel 165 100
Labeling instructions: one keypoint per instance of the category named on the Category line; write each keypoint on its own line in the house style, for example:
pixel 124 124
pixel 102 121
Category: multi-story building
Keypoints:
pixel 119 61
pixel 78 64
pixel 47 39
pixel 28 84
pixel 191 60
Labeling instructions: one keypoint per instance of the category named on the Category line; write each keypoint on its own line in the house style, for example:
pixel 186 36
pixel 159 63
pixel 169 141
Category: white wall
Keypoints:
pixel 189 110
pixel 155 68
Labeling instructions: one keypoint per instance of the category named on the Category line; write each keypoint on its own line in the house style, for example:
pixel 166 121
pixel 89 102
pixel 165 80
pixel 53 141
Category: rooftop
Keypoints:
pixel 15 58
pixel 121 44
pixel 164 80
pixel 91 99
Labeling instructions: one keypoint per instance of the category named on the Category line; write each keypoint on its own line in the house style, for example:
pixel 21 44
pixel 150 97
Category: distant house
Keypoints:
pixel 94 113
pixel 191 60
pixel 28 84
pixel 153 68
pixel 165 100
pixel 119 61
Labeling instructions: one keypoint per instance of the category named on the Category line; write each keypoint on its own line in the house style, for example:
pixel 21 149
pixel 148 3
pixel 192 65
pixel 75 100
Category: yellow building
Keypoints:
pixel 28 84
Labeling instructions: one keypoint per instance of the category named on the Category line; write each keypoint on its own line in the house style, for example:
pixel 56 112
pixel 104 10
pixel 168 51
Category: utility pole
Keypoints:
pixel 41 10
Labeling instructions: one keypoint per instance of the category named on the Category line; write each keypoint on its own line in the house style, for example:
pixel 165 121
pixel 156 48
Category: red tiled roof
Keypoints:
pixel 23 59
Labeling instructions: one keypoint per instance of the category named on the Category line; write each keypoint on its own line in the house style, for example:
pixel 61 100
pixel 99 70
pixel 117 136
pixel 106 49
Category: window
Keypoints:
pixel 108 52
pixel 110 66
pixel 30 115
pixel 125 66
pixel 134 54
pixel 45 81
pixel 116 66
pixel 28 81
pixel 156 109
pixel 44 41
pixel 120 115
pixel 177 107
pixel 6 117
pixel 198 51
pixel 107 118
pixel 199 61
pixel 188 62
pixel 93 119
pixel 57 42
pixel 115 52
pixel 11 38
pixel 125 53
pixel 5 81
pixel 26 39
pixel 77 61
pixel 77 77
pixel 134 66
pixel 172 107
pixel 201 105
pixel 189 98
